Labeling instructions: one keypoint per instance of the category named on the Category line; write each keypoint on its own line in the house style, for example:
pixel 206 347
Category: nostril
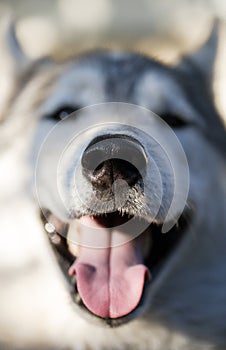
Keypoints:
pixel 111 170
pixel 124 170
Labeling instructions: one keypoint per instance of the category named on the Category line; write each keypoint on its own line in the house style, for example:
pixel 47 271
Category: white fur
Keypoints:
pixel 187 301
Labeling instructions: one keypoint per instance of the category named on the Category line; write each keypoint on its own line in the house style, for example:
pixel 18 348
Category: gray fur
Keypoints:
pixel 185 308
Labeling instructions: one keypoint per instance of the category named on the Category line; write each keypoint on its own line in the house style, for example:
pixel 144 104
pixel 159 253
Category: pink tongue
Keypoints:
pixel 110 281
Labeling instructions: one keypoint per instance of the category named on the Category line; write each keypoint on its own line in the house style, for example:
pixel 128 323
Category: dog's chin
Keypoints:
pixel 151 253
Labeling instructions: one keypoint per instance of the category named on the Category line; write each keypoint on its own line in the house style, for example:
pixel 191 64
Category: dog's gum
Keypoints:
pixel 54 224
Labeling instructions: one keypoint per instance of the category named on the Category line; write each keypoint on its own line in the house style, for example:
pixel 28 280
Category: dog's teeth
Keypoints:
pixel 50 228
pixel 77 298
pixel 73 280
pixel 73 237
pixel 73 248
pixel 55 238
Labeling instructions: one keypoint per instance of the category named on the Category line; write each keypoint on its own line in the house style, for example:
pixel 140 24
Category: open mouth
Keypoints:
pixel 110 282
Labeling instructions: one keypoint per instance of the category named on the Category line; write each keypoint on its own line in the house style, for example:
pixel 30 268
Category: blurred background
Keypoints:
pixel 164 28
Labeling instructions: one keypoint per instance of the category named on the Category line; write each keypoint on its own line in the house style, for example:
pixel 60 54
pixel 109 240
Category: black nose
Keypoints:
pixel 109 158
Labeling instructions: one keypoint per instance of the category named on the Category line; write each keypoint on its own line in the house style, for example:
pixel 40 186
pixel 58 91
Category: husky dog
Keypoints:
pixel 95 173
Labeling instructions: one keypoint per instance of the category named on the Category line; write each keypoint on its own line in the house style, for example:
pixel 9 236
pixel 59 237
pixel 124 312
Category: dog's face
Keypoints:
pixel 105 176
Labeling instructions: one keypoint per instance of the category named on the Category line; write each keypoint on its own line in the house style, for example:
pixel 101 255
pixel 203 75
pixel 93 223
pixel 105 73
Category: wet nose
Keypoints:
pixel 109 158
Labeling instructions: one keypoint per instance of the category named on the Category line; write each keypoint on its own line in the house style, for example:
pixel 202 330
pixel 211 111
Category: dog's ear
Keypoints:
pixel 14 61
pixel 204 58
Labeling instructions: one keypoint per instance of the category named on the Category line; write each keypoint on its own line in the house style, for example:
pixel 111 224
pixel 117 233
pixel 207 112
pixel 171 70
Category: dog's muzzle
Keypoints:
pixel 104 205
